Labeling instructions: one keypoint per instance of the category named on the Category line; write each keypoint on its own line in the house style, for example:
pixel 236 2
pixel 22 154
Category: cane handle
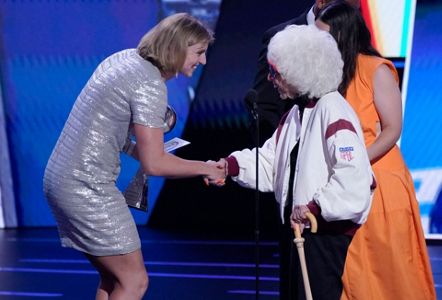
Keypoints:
pixel 313 225
pixel 313 222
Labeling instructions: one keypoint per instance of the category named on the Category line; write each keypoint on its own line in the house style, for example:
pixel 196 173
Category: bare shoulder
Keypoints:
pixel 383 75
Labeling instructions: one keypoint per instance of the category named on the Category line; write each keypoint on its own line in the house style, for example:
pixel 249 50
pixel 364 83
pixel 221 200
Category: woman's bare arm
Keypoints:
pixel 388 102
pixel 156 162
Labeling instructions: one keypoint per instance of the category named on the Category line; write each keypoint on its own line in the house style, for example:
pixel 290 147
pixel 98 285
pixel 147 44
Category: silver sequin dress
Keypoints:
pixel 79 181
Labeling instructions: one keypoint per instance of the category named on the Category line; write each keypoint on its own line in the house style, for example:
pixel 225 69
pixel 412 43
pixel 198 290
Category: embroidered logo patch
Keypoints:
pixel 346 153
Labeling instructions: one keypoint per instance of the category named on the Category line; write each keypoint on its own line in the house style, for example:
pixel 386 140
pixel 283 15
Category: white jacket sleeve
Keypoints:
pixel 247 166
pixel 347 195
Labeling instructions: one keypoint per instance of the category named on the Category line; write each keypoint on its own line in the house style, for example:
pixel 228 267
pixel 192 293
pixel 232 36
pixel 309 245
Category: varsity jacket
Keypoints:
pixel 333 175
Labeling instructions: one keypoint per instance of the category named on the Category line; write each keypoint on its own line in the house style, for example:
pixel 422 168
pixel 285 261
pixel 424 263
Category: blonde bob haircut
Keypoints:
pixel 165 45
pixel 307 58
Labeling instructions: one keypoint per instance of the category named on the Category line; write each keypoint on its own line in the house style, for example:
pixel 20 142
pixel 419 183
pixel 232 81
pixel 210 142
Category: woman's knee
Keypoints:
pixel 123 274
pixel 137 282
pixel 143 282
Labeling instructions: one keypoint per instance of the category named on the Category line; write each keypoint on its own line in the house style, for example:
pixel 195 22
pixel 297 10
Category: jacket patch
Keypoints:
pixel 346 153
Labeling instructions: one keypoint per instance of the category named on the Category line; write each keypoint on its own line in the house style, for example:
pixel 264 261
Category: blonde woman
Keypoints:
pixel 126 93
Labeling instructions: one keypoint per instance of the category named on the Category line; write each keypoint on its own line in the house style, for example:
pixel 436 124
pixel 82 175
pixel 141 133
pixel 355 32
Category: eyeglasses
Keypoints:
pixel 273 72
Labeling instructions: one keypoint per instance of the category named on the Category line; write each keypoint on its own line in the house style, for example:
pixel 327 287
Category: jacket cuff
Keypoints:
pixel 314 208
pixel 232 166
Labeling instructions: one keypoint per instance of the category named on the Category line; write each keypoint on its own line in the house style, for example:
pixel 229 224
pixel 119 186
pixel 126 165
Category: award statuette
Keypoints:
pixel 136 192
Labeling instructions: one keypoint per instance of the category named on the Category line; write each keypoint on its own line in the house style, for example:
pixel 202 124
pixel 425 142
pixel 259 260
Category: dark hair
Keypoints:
pixel 348 28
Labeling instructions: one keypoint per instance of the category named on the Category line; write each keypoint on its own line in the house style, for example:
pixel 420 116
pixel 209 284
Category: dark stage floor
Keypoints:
pixel 181 266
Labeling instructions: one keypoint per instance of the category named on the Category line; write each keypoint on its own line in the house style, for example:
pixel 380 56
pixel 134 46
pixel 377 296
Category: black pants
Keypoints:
pixel 325 258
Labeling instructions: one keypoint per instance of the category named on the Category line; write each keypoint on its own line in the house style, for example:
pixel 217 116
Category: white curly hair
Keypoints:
pixel 307 58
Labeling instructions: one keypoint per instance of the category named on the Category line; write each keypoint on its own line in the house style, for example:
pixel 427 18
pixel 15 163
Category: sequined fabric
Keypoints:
pixel 79 181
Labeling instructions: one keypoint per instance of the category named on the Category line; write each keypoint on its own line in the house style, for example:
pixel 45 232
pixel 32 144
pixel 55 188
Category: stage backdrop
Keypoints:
pixel 422 133
pixel 8 214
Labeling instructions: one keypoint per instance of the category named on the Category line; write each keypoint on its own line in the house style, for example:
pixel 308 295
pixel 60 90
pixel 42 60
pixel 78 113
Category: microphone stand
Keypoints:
pixel 256 117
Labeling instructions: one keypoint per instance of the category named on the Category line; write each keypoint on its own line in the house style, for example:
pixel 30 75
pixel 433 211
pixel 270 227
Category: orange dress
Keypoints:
pixel 387 258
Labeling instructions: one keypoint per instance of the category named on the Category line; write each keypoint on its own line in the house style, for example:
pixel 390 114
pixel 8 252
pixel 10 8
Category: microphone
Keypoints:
pixel 251 102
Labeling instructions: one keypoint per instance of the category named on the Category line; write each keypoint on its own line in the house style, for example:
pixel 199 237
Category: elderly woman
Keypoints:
pixel 315 161
pixel 126 93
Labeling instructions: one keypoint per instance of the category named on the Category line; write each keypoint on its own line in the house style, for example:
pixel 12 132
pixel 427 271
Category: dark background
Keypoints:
pixel 219 124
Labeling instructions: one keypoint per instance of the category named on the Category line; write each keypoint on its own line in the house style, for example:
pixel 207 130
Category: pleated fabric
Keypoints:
pixel 387 258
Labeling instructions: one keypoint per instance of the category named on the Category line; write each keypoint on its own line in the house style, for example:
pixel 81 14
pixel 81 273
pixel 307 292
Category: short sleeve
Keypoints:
pixel 148 104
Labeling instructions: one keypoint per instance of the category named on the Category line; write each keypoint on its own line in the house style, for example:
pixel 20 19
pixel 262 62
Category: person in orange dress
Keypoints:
pixel 387 258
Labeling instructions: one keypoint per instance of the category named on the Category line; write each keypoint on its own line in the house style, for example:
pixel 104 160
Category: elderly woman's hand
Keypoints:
pixel 218 177
pixel 299 216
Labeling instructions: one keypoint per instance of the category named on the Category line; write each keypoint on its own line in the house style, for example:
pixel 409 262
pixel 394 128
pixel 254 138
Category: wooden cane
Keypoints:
pixel 299 241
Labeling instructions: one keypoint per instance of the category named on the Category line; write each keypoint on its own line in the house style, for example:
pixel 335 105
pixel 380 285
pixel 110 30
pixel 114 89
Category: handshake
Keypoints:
pixel 217 172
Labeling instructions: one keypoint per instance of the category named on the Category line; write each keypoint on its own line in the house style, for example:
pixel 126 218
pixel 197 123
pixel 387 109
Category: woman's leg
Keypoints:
pixel 121 276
